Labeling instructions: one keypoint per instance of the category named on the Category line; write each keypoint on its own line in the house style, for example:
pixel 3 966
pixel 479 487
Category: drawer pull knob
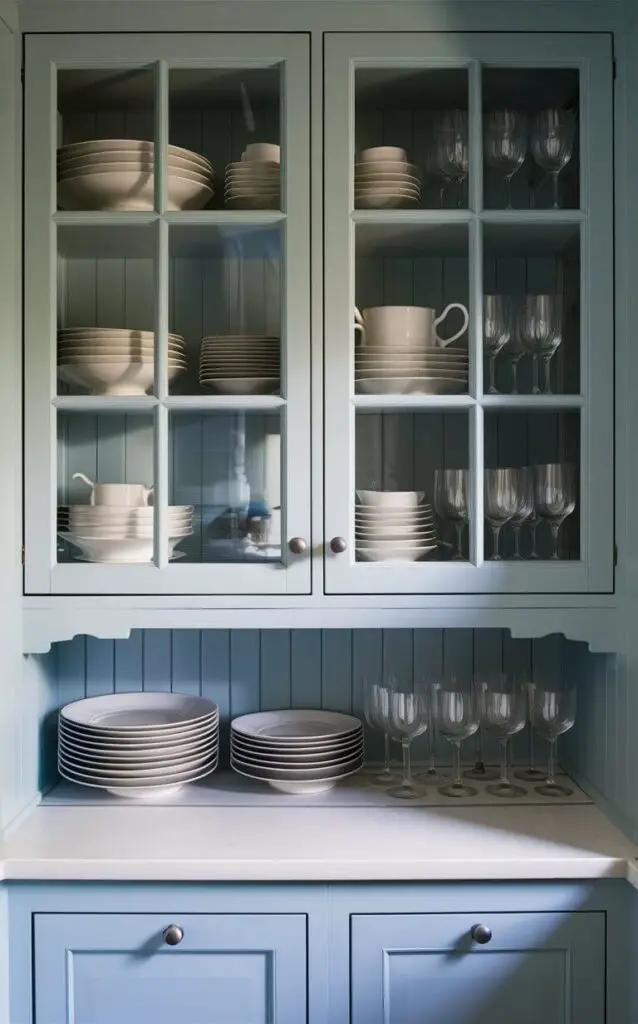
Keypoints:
pixel 298 545
pixel 481 934
pixel 338 545
pixel 173 935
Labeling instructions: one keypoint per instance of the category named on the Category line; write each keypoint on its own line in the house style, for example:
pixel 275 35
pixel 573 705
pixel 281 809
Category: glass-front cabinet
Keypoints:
pixel 468 313
pixel 167 319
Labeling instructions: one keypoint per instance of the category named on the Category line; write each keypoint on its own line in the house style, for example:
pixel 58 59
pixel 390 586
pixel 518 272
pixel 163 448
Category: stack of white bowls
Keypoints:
pixel 384 180
pixel 401 352
pixel 253 182
pixel 118 526
pixel 297 752
pixel 114 361
pixel 138 745
pixel 393 526
pixel 118 174
pixel 240 364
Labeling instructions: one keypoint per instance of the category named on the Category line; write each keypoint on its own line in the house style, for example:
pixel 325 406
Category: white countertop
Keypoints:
pixel 115 841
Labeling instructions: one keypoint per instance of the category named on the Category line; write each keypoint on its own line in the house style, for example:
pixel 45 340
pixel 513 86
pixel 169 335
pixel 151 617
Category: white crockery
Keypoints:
pixel 392 553
pixel 145 711
pixel 376 153
pixel 296 725
pixel 241 385
pixel 182 735
pixel 411 386
pixel 262 152
pixel 115 494
pixel 390 499
pixel 390 326
pixel 130 190
pixel 116 551
pixel 75 149
pixel 142 170
pixel 113 378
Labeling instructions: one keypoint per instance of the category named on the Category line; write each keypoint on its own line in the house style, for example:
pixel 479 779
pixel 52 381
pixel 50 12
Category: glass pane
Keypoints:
pixel 411 151
pixel 530 138
pixel 225 302
pixel 105 135
pixel 549 444
pixel 405 453
pixel 109 522
pixel 532 309
pixel 106 310
pixel 228 466
pixel 229 122
pixel 406 278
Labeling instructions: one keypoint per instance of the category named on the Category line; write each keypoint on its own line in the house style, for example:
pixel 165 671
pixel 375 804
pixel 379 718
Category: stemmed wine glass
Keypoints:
pixel 505 145
pixel 554 713
pixel 555 496
pixel 496 331
pixel 531 773
pixel 540 332
pixel 533 523
pixel 552 142
pixel 451 501
pixel 377 715
pixel 501 500
pixel 409 718
pixel 456 714
pixel 479 769
pixel 451 156
pixel 514 351
pixel 504 715
pixel 431 773
pixel 525 507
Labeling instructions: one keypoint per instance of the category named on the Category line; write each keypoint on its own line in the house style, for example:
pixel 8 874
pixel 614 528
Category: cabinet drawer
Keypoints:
pixel 545 968
pixel 226 969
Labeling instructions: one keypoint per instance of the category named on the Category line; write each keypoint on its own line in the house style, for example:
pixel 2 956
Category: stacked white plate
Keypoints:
pixel 240 364
pixel 253 183
pixel 120 534
pixel 141 745
pixel 383 179
pixel 118 174
pixel 393 526
pixel 114 361
pixel 410 371
pixel 297 752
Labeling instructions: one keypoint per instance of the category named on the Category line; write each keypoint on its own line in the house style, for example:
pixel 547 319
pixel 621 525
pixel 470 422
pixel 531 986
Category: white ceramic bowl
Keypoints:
pixel 128 159
pixel 118 377
pixel 392 552
pixel 390 499
pixel 366 167
pixel 391 201
pixel 75 149
pixel 262 152
pixel 241 385
pixel 410 386
pixel 375 153
pixel 130 190
pixel 116 550
pixel 143 171
pixel 121 333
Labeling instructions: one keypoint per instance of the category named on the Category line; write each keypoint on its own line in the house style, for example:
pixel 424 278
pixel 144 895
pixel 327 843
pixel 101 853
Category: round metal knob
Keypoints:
pixel 298 545
pixel 173 935
pixel 338 545
pixel 481 934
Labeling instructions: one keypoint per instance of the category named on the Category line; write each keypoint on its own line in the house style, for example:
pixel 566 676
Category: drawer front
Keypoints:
pixel 227 969
pixel 426 969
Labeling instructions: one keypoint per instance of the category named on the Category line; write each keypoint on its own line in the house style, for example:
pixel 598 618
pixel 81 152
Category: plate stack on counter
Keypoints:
pixel 138 745
pixel 240 364
pixel 297 752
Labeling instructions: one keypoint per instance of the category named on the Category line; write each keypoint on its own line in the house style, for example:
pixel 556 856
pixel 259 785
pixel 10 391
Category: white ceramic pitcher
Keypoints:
pixel 407 327
pixel 129 495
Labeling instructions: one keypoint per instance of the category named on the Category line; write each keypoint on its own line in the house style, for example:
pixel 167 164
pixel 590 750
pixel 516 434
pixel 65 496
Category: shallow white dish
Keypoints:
pixel 394 537
pixel 410 386
pixel 130 156
pixel 138 755
pixel 187 731
pixel 115 378
pixel 294 787
pixel 133 145
pixel 143 170
pixel 106 742
pixel 130 190
pixel 298 746
pixel 253 203
pixel 241 385
pixel 393 202
pixel 299 774
pixel 115 346
pixel 149 710
pixel 150 790
pixel 365 167
pixel 295 725
pixel 140 772
pixel 390 499
pixel 390 553
pixel 284 756
pixel 421 373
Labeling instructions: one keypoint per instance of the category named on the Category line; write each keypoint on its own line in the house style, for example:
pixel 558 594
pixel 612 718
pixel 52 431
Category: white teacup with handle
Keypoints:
pixel 407 327
pixel 129 495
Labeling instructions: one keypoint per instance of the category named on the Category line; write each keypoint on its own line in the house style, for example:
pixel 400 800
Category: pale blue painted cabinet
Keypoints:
pixel 537 968
pixel 226 969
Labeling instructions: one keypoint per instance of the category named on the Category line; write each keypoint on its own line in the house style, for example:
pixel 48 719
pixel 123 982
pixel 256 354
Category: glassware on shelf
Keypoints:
pixel 501 502
pixel 530 773
pixel 456 717
pixel 479 770
pixel 505 145
pixel 409 718
pixel 555 496
pixel 496 332
pixel 540 330
pixel 554 713
pixel 513 351
pixel 431 773
pixel 552 142
pixel 451 501
pixel 451 154
pixel 504 715
pixel 376 698
pixel 533 523
pixel 525 478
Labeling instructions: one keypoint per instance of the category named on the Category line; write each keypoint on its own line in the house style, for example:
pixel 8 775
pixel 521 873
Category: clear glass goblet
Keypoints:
pixel 533 523
pixel 501 502
pixel 513 352
pixel 409 718
pixel 376 708
pixel 451 501
pixel 432 772
pixel 540 331
pixel 525 507
pixel 552 142
pixel 456 715
pixel 451 153
pixel 555 496
pixel 554 713
pixel 505 145
pixel 496 332
pixel 531 773
pixel 479 770
pixel 504 715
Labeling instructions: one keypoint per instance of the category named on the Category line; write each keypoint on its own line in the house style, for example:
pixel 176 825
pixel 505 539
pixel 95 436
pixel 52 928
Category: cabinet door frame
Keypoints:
pixel 591 56
pixel 44 56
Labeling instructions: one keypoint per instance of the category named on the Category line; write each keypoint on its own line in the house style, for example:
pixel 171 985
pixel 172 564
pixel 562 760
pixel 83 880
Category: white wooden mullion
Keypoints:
pixel 161 454
pixel 161 132
pixel 477 465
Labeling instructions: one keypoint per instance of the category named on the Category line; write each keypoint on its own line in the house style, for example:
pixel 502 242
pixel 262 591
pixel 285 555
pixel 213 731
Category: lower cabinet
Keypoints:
pixel 537 968
pixel 198 969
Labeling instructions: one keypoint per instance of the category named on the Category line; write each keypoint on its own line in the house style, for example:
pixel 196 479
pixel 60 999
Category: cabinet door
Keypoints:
pixel 227 969
pixel 167 330
pixel 426 969
pixel 469 219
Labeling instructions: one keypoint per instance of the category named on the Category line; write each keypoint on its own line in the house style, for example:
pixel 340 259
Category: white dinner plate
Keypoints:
pixel 283 756
pixel 294 725
pixel 150 790
pixel 298 746
pixel 362 168
pixel 410 386
pixel 139 755
pixel 393 554
pixel 137 772
pixel 127 746
pixel 288 775
pixel 241 385
pixel 147 711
